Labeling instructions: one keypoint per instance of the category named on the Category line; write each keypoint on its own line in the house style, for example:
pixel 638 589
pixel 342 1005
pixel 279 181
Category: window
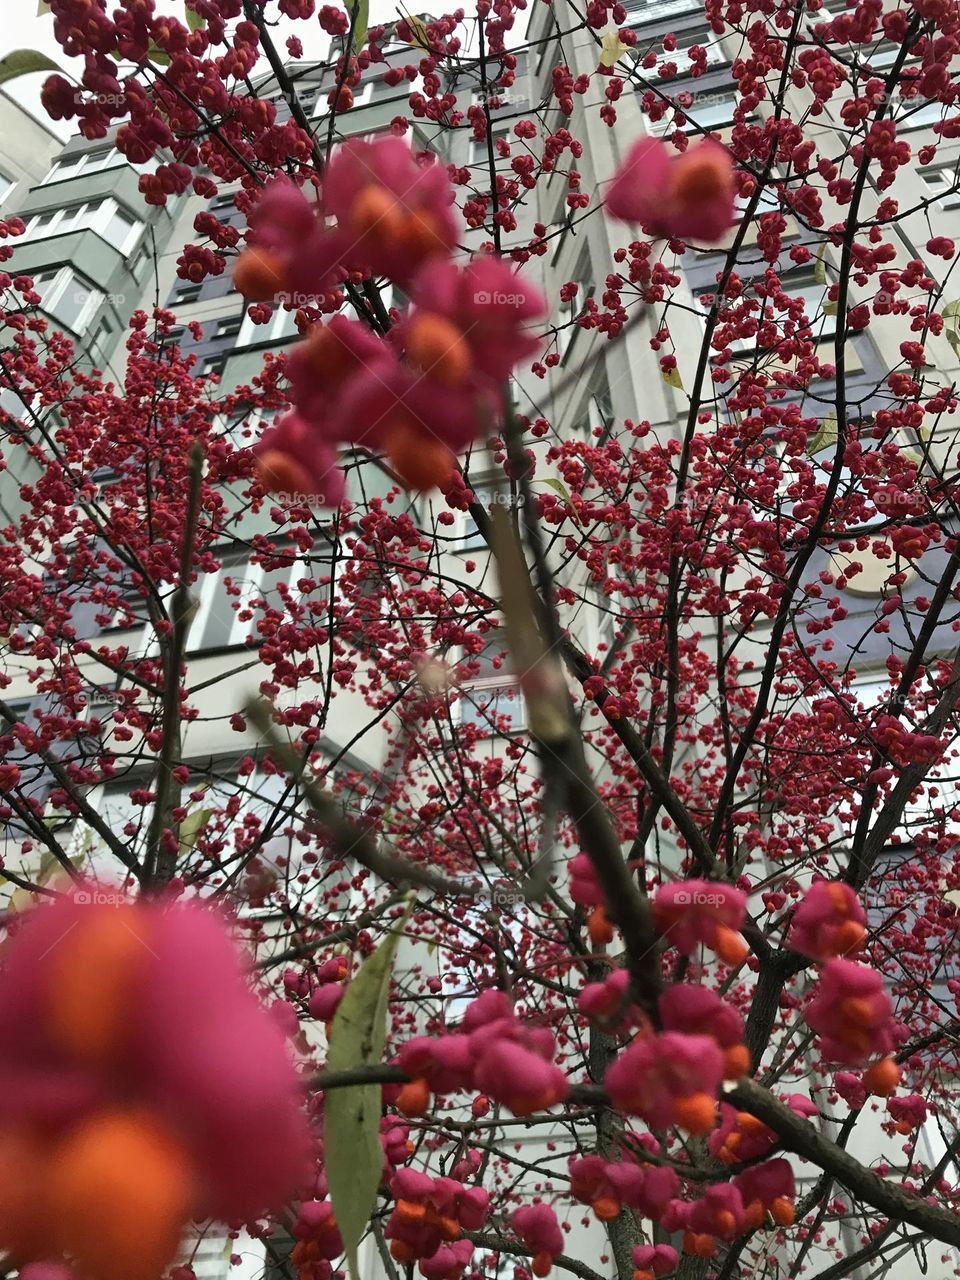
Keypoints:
pixel 67 298
pixel 479 154
pixel 105 217
pixel 492 700
pixel 228 328
pixel 361 96
pixel 244 426
pixel 643 11
pixel 12 405
pixel 227 611
pixel 822 324
pixel 598 408
pixel 817 325
pixel 943 184
pixel 920 113
pixel 681 55
pixel 89 162
pixel 281 326
pixel 213 364
pixel 569 330
pixel 769 201
pixel 708 111
pixel 190 292
pixel 490 491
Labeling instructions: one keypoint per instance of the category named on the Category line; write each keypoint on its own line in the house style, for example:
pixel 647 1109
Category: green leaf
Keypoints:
pixel 826 435
pixel 351 1120
pixel 559 487
pixel 828 307
pixel 361 15
pixel 951 324
pixel 22 62
pixel 42 8
pixel 192 825
pixel 194 21
pixel 158 55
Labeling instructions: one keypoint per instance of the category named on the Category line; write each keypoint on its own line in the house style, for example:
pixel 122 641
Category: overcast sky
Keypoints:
pixel 23 28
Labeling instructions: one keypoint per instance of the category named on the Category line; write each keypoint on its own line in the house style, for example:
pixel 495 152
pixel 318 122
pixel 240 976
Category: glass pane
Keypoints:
pixel 493 707
pixel 119 227
pixel 221 615
pixel 71 303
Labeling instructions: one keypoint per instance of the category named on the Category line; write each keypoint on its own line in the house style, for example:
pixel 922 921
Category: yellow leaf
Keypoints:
pixel 418 32
pixel 612 49
pixel 672 376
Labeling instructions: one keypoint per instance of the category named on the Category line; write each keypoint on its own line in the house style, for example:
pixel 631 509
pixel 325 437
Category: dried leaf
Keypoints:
pixel 612 49
pixel 418 32
pixel 820 267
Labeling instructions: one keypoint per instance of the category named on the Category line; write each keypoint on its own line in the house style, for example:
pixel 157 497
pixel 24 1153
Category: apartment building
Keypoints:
pixel 98 253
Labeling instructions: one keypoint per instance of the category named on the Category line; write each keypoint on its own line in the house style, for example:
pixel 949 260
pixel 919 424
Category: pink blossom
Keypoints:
pixel 605 1002
pixel 537 1227
pixel 584 885
pixel 766 1188
pixel 449 1262
pixel 699 1011
pixel 393 207
pixel 668 1079
pixel 487 306
pixel 445 1062
pixel 851 1013
pixel 828 922
pixel 174 1067
pixel 656 1259
pixel 293 459
pixel 741 1136
pixel 490 1006
pixel 707 912
pixel 687 197
pixel 719 1212
pixel 520 1078
pixel 325 1001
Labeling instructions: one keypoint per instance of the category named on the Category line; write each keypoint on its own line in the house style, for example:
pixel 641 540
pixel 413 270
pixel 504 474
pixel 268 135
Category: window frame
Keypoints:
pixel 60 279
pixel 89 215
